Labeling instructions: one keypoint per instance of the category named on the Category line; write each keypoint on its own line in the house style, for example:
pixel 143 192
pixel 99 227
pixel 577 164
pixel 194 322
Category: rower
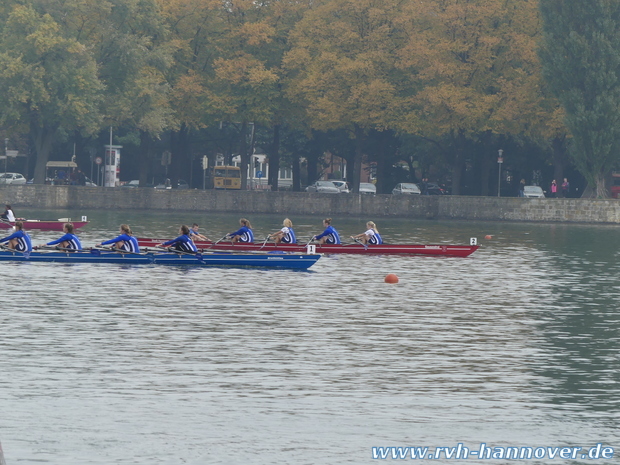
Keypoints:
pixel 330 235
pixel 125 242
pixel 371 236
pixel 243 234
pixel 8 214
pixel 183 243
pixel 286 235
pixel 68 242
pixel 19 240
pixel 195 235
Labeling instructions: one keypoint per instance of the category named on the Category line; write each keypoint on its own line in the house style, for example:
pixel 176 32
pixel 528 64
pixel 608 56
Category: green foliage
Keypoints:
pixel 581 61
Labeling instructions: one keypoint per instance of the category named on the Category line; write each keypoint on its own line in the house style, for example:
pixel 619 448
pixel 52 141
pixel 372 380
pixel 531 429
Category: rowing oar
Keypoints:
pixel 360 242
pixel 198 255
pixel 264 243
pixel 55 247
pixel 218 241
pixel 113 249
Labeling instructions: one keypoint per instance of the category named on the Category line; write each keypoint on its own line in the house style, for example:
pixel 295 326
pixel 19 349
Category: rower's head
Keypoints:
pixel 19 226
pixel 288 223
pixel 327 221
pixel 8 207
pixel 195 226
pixel 68 227
pixel 125 229
pixel 371 225
pixel 246 223
pixel 184 230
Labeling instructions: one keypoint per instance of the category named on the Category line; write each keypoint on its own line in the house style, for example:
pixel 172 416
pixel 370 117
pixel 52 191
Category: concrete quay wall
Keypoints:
pixel 301 203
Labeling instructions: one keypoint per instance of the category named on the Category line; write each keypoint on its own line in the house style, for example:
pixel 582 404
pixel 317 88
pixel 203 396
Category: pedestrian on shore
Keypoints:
pixel 522 188
pixel 565 188
pixel 554 189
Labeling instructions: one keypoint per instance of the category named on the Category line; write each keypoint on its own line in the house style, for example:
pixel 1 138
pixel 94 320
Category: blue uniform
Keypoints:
pixel 23 241
pixel 72 241
pixel 376 239
pixel 289 236
pixel 130 243
pixel 331 234
pixel 182 243
pixel 373 237
pixel 245 234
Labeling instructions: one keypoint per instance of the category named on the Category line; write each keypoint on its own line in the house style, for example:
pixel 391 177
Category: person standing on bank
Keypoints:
pixel 554 189
pixel 522 188
pixel 565 188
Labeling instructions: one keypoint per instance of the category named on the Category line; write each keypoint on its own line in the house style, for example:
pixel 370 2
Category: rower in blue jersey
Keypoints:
pixel 183 243
pixel 125 241
pixel 19 240
pixel 286 235
pixel 329 236
pixel 371 236
pixel 195 235
pixel 243 234
pixel 69 241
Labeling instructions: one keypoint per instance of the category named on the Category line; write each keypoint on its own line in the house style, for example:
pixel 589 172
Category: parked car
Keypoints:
pixel 367 188
pixel 133 184
pixel 342 186
pixel 323 187
pixel 12 178
pixel 435 189
pixel 533 192
pixel 406 188
pixel 166 185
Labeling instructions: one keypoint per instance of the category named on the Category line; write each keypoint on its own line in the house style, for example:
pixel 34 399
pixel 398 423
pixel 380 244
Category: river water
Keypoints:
pixel 516 345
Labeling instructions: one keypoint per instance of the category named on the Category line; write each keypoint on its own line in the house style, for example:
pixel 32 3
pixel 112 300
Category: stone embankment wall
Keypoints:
pixel 301 203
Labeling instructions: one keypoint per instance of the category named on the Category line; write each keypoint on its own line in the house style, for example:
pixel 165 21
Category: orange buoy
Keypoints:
pixel 391 279
pixel 488 236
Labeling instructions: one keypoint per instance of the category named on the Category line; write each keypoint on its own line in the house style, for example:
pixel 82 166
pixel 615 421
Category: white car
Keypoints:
pixel 533 192
pixel 406 188
pixel 12 178
pixel 323 187
pixel 342 186
pixel 368 188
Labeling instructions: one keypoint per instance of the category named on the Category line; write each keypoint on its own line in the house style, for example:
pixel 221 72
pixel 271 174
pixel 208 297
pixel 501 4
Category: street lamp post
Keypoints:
pixel 500 160
pixel 6 152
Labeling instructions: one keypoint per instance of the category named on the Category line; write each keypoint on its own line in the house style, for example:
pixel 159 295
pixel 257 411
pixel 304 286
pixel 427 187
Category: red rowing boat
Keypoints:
pixel 383 249
pixel 49 225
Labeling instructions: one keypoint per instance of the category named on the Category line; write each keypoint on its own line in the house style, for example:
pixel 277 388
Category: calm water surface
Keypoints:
pixel 515 345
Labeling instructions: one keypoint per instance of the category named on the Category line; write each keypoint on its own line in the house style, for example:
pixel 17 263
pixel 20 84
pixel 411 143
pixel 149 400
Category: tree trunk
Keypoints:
pixel 43 139
pixel 144 158
pixel 274 159
pixel 357 163
pixel 296 174
pixel 244 155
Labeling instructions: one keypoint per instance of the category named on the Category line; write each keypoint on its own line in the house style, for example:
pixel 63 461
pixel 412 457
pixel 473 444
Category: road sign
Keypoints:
pixel 98 160
pixel 259 174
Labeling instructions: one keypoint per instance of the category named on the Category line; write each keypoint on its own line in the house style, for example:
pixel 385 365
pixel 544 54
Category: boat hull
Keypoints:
pixel 290 261
pixel 383 249
pixel 44 225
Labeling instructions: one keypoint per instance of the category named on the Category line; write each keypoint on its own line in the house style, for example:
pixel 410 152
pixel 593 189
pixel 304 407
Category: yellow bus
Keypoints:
pixel 225 177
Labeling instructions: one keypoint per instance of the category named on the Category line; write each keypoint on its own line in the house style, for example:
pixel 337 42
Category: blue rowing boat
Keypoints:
pixel 269 260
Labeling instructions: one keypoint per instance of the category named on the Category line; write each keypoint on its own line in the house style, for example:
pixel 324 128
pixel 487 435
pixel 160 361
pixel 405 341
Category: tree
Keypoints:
pixel 47 80
pixel 581 62
pixel 339 68
pixel 469 65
